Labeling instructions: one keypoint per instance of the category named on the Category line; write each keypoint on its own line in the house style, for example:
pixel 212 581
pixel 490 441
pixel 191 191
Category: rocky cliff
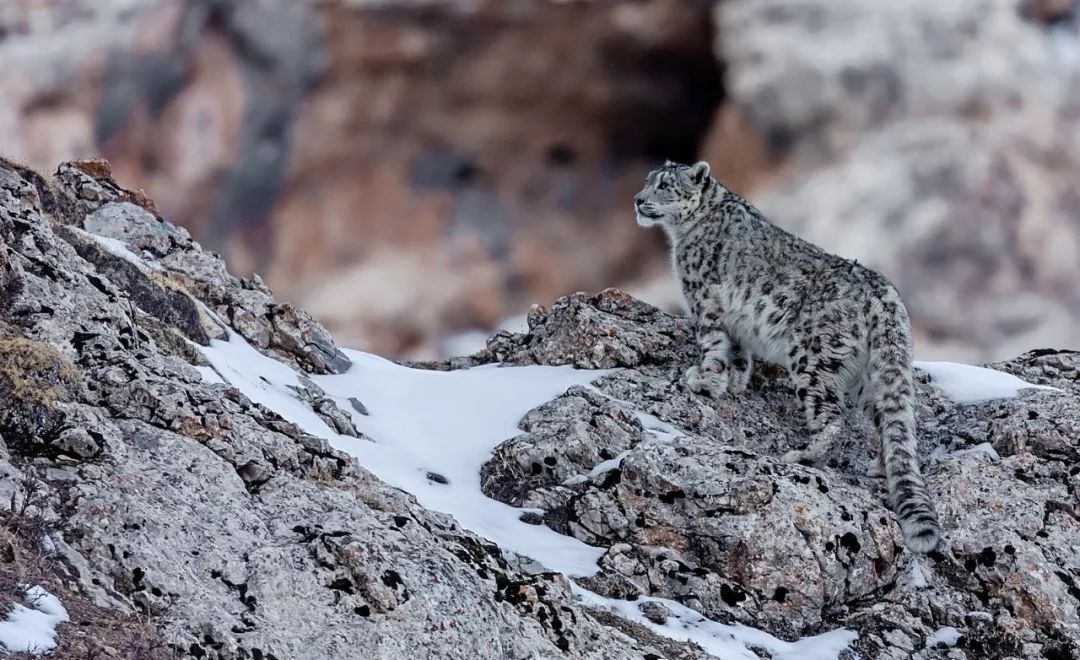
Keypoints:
pixel 176 516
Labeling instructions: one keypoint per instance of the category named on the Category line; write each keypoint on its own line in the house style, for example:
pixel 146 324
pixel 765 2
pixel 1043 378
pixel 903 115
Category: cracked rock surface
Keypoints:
pixel 237 534
pixel 693 504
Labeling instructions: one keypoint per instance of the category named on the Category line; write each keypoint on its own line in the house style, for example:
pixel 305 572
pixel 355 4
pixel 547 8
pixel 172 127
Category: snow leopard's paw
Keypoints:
pixel 707 382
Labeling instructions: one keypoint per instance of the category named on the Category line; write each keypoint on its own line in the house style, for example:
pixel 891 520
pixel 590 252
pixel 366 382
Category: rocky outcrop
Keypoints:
pixel 235 534
pixel 692 503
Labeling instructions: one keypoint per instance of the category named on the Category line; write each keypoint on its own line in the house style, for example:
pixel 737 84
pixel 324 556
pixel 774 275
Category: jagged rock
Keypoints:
pixel 697 508
pixel 610 329
pixel 234 532
pixel 655 612
pixel 184 273
pixel 327 408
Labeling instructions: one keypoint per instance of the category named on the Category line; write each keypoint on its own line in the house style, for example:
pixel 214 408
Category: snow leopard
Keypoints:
pixel 755 291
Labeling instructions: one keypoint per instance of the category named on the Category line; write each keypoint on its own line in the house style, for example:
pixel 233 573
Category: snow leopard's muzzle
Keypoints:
pixel 646 213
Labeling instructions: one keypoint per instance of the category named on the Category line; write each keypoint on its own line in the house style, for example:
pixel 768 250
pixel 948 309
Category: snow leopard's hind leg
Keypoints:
pixel 862 398
pixel 820 379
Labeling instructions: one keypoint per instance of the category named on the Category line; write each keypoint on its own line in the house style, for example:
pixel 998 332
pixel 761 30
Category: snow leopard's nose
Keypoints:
pixel 638 201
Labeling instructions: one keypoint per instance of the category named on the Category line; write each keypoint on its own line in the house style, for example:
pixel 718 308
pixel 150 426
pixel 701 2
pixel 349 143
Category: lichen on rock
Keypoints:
pixel 700 510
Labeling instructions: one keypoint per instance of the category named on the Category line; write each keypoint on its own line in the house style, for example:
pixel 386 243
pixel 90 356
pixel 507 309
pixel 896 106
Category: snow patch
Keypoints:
pixel 448 423
pixel 945 636
pixel 982 449
pixel 117 248
pixel 600 468
pixel 965 383
pixel 430 432
pixel 654 426
pixel 984 617
pixel 721 640
pixel 33 629
pixel 263 380
pixel 209 375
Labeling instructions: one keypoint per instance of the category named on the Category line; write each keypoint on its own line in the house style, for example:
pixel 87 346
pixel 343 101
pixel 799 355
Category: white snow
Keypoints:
pixel 981 449
pixel 264 380
pixel 985 617
pixel 965 383
pixel 427 423
pixel 116 248
pixel 431 426
pixel 600 468
pixel 209 375
pixel 658 428
pixel 947 636
pixel 448 423
pixel 721 640
pixel 33 629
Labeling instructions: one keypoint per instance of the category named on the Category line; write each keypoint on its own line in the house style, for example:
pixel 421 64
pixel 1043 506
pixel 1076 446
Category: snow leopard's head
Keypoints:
pixel 671 193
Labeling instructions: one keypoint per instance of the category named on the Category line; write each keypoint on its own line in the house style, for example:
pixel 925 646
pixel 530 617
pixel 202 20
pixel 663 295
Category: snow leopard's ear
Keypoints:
pixel 699 171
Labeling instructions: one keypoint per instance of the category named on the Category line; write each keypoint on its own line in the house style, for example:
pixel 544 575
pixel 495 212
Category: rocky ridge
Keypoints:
pixel 699 509
pixel 235 534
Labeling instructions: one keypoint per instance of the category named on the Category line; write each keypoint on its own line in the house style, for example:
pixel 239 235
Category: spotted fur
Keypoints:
pixel 841 330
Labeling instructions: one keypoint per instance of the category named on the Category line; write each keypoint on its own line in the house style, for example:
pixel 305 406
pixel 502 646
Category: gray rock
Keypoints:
pixel 699 509
pixel 655 612
pixel 187 272
pixel 326 408
pixel 230 529
pixel 613 330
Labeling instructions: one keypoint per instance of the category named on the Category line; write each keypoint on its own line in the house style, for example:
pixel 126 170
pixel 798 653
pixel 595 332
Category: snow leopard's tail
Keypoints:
pixel 891 403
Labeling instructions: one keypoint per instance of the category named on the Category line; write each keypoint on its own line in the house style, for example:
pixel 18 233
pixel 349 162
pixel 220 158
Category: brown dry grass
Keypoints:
pixel 36 371
pixel 172 281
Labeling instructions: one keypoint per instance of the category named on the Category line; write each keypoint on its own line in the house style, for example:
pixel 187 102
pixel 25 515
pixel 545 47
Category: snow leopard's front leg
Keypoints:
pixel 742 364
pixel 725 366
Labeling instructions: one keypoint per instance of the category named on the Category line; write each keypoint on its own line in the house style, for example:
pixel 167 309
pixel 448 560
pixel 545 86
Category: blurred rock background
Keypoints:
pixel 412 170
